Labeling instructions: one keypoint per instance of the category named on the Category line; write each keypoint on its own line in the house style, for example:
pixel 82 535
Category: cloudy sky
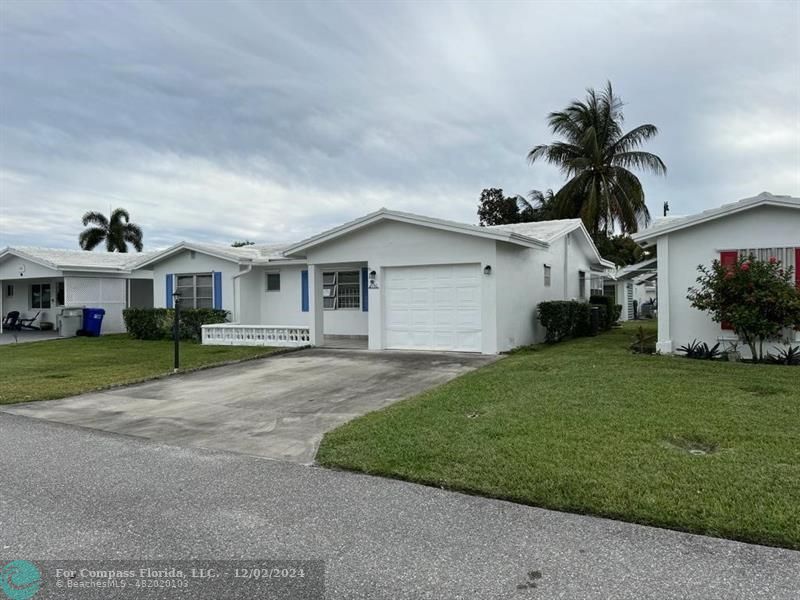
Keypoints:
pixel 216 121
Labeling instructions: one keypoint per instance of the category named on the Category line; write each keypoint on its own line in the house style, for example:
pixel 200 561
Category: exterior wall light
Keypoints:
pixel 487 270
pixel 372 277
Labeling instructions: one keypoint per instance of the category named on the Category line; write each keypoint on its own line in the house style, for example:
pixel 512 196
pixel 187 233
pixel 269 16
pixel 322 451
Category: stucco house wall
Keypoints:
pixel 760 227
pixel 190 262
pixel 285 306
pixel 395 244
pixel 520 289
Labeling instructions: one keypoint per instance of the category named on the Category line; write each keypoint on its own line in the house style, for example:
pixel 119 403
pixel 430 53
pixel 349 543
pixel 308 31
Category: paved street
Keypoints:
pixel 69 492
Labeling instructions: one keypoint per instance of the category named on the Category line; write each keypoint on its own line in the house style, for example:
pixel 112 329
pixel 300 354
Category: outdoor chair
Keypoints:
pixel 12 320
pixel 28 323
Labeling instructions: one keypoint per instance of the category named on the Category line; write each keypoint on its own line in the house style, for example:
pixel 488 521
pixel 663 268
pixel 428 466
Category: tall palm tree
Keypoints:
pixel 596 156
pixel 117 231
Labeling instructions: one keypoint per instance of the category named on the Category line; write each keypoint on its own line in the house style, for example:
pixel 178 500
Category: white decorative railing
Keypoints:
pixel 234 334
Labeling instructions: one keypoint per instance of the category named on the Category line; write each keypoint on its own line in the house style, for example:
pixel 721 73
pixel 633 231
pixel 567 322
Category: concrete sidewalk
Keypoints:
pixel 77 493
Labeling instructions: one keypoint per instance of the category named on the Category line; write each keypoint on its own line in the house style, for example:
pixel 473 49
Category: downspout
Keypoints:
pixel 567 240
pixel 235 277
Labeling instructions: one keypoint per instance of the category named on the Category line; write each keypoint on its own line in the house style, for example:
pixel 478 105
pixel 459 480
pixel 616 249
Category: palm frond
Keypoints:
pixel 638 159
pixel 118 216
pixel 133 235
pixel 628 184
pixel 91 237
pixel 634 138
pixel 96 218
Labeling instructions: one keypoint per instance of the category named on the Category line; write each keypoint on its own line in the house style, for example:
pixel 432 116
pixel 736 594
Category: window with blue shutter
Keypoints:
pixel 168 287
pixel 364 289
pixel 304 291
pixel 217 289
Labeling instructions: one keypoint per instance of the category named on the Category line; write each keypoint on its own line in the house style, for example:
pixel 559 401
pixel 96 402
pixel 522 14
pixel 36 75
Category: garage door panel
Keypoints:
pixel 469 320
pixel 467 296
pixel 468 340
pixel 433 307
pixel 420 296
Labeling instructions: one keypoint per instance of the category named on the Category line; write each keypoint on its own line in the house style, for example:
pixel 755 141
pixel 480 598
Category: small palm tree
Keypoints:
pixel 596 157
pixel 117 231
pixel 542 206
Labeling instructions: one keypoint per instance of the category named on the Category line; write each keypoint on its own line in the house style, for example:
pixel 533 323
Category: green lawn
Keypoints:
pixel 587 427
pixel 58 368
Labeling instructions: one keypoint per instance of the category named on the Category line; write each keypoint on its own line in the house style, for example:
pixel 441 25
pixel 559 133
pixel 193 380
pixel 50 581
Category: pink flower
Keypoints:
pixel 745 266
pixel 773 260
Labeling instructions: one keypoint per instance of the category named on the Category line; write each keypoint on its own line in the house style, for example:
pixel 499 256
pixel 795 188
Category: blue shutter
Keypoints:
pixel 364 289
pixel 168 287
pixel 304 291
pixel 217 289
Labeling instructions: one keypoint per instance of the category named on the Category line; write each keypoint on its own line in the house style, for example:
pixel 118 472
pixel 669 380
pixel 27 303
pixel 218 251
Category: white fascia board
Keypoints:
pixel 182 246
pixel 729 209
pixel 412 219
pixel 25 256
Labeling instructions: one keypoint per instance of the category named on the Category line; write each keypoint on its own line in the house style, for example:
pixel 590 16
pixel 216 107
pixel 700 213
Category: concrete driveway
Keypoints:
pixel 276 408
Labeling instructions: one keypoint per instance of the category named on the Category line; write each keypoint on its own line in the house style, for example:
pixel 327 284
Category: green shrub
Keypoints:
pixel 582 320
pixel 157 323
pixel 757 299
pixel 565 318
pixel 607 319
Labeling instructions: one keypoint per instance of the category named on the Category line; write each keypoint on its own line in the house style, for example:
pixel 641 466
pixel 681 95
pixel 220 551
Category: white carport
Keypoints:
pixel 40 282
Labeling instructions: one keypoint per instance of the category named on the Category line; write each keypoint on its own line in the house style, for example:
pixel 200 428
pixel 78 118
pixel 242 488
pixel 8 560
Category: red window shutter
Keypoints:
pixel 797 266
pixel 728 259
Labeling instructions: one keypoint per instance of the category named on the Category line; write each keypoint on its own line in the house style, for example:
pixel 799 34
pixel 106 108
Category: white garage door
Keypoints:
pixel 433 308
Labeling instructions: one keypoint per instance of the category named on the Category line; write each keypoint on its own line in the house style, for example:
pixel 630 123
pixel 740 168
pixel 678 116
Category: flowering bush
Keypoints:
pixel 758 299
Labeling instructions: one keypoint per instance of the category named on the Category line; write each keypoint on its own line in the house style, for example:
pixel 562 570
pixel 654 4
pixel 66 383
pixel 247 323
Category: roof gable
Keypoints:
pixel 665 226
pixel 251 254
pixel 391 215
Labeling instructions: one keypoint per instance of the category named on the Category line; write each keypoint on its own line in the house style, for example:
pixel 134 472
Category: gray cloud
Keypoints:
pixel 217 121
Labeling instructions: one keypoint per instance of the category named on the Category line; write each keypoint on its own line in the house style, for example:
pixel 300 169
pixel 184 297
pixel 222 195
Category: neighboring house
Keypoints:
pixel 399 280
pixel 763 226
pixel 633 285
pixel 45 280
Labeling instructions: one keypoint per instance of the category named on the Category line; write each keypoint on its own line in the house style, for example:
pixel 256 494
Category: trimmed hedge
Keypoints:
pixel 564 318
pixel 570 318
pixel 157 323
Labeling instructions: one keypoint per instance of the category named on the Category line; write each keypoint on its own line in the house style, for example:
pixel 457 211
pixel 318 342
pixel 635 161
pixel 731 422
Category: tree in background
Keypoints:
pixel 758 299
pixel 494 208
pixel 240 243
pixel 497 209
pixel 619 249
pixel 117 231
pixel 597 156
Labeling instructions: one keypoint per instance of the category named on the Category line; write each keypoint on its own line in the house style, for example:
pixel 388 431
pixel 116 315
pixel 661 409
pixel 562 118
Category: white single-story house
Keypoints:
pixel 42 281
pixel 394 279
pixel 763 226
pixel 632 286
